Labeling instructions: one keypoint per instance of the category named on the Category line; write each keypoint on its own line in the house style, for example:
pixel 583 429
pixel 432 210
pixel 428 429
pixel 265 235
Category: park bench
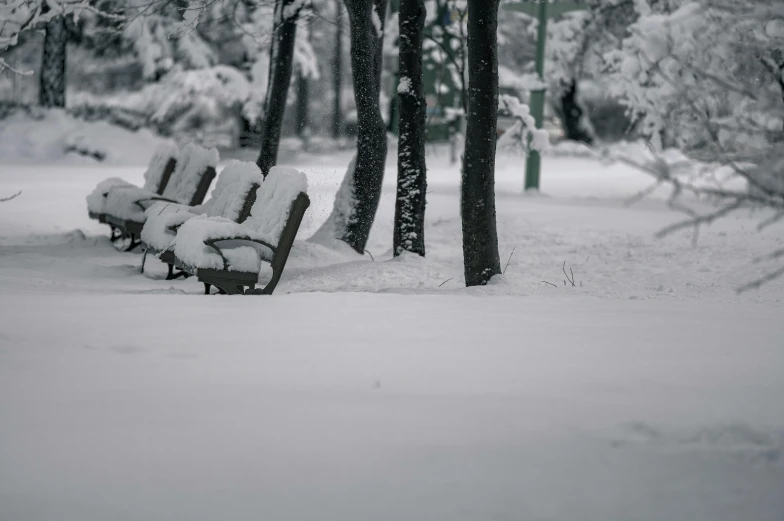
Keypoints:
pixel 228 255
pixel 159 170
pixel 232 198
pixel 188 184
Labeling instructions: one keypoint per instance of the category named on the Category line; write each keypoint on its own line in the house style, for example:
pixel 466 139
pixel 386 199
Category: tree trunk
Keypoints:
pixel 337 74
pixel 51 92
pixel 303 100
pixel 357 199
pixel 409 232
pixel 480 237
pixel 575 127
pixel 281 60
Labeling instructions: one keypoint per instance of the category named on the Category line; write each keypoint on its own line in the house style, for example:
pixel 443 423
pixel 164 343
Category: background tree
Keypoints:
pixel 18 17
pixel 284 33
pixel 51 92
pixel 357 199
pixel 480 237
pixel 577 44
pixel 307 71
pixel 409 230
pixel 337 73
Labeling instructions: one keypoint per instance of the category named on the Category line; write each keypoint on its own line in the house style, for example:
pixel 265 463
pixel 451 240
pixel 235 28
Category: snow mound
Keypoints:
pixel 96 200
pixel 265 224
pixel 53 136
pixel 161 219
pixel 130 203
pixel 273 200
pixel 227 200
pixel 231 190
pixel 192 163
pixel 153 176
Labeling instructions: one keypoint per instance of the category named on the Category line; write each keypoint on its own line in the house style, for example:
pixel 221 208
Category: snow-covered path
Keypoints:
pixel 320 407
pixel 376 390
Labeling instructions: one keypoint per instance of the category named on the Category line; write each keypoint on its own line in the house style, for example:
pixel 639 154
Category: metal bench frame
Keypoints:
pixel 244 283
pixel 132 230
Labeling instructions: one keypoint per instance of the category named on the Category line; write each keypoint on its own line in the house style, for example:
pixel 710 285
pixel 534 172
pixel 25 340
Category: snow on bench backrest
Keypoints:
pixel 160 159
pixel 273 200
pixel 191 165
pixel 231 190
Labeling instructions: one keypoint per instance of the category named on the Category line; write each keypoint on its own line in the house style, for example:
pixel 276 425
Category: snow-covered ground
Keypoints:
pixel 383 389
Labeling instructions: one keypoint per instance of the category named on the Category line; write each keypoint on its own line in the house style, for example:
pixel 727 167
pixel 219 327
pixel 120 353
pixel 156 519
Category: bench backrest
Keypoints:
pixel 275 199
pixel 160 168
pixel 192 176
pixel 234 192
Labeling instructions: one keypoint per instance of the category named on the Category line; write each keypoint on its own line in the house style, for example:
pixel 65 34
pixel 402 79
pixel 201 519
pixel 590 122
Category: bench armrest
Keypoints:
pixel 214 243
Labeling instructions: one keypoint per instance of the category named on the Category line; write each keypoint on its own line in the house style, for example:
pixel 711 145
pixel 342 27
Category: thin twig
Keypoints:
pixel 447 280
pixel 4 199
pixel 550 283
pixel 571 280
pixel 696 222
pixel 770 256
pixel 508 260
pixel 756 284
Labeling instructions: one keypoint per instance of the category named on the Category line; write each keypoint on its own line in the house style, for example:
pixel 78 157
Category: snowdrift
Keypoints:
pixel 53 136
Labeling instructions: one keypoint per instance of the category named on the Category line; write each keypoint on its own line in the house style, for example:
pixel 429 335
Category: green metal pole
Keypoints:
pixel 534 164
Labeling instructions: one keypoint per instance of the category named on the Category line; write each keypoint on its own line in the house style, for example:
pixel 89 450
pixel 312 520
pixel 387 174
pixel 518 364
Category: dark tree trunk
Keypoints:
pixel 51 92
pixel 409 232
pixel 281 59
pixel 337 74
pixel 572 111
pixel 480 237
pixel 303 101
pixel 368 175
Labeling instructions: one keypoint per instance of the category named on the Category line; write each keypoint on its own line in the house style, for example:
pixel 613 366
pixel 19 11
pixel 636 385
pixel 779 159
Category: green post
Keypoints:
pixel 534 164
pixel 542 10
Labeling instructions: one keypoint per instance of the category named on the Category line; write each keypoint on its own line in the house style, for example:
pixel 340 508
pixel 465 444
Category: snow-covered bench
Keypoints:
pixel 232 198
pixel 159 171
pixel 228 255
pixel 188 184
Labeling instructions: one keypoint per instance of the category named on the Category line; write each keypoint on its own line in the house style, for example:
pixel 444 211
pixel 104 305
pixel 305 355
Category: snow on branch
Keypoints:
pixel 705 76
pixel 524 135
pixel 20 16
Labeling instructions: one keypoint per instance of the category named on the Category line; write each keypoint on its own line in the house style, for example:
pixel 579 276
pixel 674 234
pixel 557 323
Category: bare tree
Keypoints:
pixel 357 199
pixel 284 33
pixel 51 92
pixel 337 73
pixel 409 231
pixel 480 237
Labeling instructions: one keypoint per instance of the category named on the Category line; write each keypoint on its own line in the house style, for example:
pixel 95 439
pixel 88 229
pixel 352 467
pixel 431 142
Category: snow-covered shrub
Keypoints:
pixel 707 76
pixel 523 135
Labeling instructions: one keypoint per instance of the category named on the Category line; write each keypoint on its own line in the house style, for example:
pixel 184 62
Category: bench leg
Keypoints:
pixel 133 244
pixel 115 234
pixel 176 275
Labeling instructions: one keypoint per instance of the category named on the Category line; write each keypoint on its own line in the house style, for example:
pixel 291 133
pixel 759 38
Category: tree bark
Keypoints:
pixel 337 74
pixel 368 175
pixel 409 230
pixel 281 60
pixel 573 114
pixel 51 92
pixel 303 101
pixel 480 237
